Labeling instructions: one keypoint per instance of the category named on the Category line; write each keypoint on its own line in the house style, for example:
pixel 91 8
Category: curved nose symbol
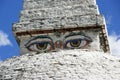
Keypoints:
pixel 58 44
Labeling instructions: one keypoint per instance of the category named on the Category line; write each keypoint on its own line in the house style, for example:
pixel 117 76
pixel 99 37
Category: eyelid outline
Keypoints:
pixel 77 37
pixel 40 39
pixel 72 40
pixel 28 45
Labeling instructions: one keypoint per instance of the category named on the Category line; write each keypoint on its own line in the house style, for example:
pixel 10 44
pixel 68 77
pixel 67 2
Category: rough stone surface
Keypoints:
pixel 60 22
pixel 41 17
pixel 58 12
pixel 32 4
pixel 63 65
pixel 52 14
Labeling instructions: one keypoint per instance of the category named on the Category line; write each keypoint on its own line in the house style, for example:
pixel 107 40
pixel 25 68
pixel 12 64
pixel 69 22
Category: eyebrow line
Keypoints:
pixel 43 36
pixel 78 34
pixel 37 37
pixel 74 34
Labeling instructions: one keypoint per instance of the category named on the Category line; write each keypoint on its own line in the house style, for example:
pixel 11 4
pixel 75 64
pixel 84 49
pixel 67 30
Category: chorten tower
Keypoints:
pixel 52 25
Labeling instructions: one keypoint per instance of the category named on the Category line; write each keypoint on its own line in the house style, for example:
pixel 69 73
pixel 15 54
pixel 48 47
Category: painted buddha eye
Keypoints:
pixel 40 44
pixel 76 42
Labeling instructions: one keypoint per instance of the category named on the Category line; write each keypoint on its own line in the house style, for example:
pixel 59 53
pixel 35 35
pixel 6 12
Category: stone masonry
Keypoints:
pixel 47 26
pixel 41 17
pixel 63 65
pixel 41 14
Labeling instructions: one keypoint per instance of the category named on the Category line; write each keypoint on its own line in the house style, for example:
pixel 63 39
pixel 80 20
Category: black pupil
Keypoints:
pixel 75 43
pixel 42 46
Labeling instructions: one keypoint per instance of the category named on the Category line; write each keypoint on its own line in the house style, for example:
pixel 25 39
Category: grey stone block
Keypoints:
pixel 60 22
pixel 32 4
pixel 58 12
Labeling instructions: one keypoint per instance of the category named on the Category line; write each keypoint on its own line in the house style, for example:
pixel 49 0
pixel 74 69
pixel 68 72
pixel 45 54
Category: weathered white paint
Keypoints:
pixel 63 65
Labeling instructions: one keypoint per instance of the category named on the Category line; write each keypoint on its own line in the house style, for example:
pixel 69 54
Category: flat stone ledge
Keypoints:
pixel 60 22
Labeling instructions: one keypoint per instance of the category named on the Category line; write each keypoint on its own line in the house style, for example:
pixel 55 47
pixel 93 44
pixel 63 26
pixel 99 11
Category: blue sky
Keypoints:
pixel 10 11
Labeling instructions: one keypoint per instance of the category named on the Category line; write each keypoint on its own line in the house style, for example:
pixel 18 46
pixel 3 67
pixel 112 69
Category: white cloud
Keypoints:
pixel 114 41
pixel 4 41
pixel 108 19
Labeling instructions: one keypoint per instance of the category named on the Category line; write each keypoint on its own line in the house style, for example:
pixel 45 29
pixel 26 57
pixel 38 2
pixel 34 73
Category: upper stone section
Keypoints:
pixel 58 12
pixel 55 14
pixel 34 9
pixel 60 22
pixel 33 4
